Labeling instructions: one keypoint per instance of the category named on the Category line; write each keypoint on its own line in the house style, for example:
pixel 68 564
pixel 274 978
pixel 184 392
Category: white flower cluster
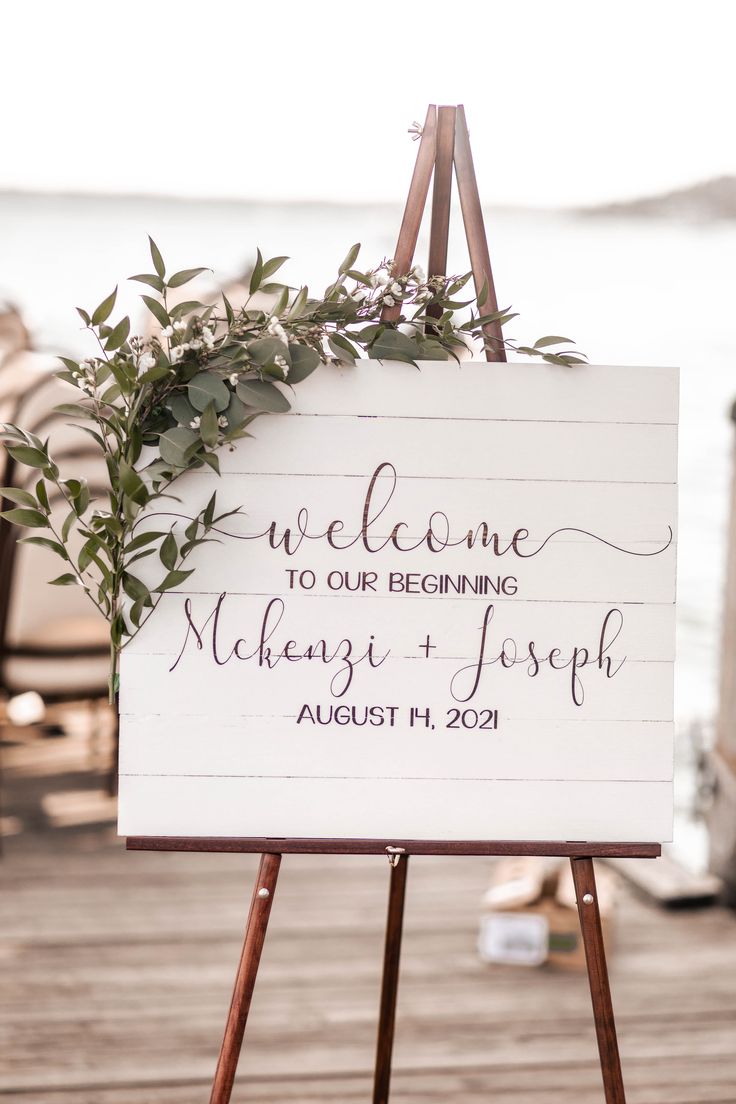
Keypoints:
pixel 205 339
pixel 86 375
pixel 391 292
pixel 196 422
pixel 388 291
pixel 275 329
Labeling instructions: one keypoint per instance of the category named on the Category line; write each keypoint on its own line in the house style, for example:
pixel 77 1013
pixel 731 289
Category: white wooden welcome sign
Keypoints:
pixel 447 612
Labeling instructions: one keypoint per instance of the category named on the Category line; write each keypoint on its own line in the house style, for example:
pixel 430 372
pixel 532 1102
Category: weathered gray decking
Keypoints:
pixel 116 968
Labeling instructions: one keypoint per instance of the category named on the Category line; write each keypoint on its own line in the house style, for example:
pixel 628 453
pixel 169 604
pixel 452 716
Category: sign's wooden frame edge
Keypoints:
pixel 274 845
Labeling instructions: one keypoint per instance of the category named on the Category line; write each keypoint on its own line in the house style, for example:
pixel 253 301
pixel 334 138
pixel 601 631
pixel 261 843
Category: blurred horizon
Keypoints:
pixel 578 105
pixel 696 188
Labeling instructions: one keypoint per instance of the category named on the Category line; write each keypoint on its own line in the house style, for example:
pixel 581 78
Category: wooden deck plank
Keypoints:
pixel 116 970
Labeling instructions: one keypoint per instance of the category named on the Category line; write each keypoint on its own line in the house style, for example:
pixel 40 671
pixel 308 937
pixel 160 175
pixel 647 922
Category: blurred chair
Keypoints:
pixel 13 333
pixel 52 640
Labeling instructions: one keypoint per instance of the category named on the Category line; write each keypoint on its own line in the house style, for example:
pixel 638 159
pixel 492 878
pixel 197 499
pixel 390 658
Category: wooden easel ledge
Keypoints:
pixel 266 845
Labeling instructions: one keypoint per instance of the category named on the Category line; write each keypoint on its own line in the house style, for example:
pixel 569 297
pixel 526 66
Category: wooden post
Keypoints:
pixel 415 204
pixel 390 981
pixel 245 979
pixel 600 992
pixel 475 232
pixel 439 233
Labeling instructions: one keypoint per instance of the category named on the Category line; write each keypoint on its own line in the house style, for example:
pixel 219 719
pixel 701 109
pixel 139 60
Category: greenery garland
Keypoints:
pixel 196 386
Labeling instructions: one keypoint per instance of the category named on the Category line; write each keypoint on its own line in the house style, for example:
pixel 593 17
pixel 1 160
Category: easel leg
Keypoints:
pixel 390 983
pixel 600 992
pixel 255 934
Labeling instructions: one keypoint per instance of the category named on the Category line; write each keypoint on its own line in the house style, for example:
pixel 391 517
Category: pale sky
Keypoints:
pixel 568 101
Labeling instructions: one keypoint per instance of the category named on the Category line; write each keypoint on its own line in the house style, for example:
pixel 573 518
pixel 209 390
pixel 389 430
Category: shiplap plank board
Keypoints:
pixel 524 390
pixel 639 691
pixel 569 572
pixel 647 630
pixel 593 452
pixel 623 513
pixel 265 746
pixel 407 808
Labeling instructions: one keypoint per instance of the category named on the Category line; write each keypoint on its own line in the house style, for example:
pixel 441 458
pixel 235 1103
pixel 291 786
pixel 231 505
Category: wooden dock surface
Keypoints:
pixel 116 970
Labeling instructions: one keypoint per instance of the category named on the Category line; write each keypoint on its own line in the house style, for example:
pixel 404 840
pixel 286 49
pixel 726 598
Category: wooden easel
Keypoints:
pixel 444 144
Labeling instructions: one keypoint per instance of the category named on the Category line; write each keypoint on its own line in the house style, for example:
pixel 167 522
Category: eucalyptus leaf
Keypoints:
pixel 141 540
pixel 46 542
pixel 135 588
pixel 275 263
pixel 42 496
pixel 544 342
pixel 304 360
pixel 212 461
pixel 157 309
pixel 118 336
pixel 207 388
pixel 174 579
pixel 208 427
pixel 266 349
pixel 262 395
pixel 31 457
pixel 168 551
pixel 180 309
pixel 350 259
pixel 21 515
pixel 182 409
pixel 235 412
pixel 132 484
pixel 394 345
pixel 184 276
pixel 342 348
pixel 69 520
pixel 257 274
pixel 150 279
pixel 175 445
pixel 158 261
pixel 104 310
pixel 74 410
pixel 15 494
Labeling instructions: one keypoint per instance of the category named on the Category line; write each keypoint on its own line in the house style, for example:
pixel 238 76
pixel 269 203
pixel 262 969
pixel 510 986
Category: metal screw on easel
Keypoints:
pixel 263 892
pixel 587 898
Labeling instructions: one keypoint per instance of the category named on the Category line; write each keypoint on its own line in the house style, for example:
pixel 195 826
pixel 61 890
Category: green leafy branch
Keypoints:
pixel 160 405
